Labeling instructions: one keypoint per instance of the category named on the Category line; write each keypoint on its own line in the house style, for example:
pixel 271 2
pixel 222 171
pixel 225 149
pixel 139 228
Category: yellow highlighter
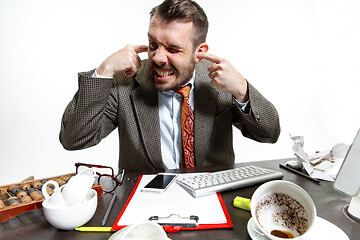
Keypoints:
pixel 94 229
pixel 243 203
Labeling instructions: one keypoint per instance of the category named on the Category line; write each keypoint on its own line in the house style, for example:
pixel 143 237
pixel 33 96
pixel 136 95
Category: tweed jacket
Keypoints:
pixel 131 105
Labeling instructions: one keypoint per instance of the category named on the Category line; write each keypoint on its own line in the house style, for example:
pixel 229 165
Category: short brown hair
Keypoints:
pixel 171 10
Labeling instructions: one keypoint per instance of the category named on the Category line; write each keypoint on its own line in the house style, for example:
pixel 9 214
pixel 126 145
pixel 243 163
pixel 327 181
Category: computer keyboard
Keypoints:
pixel 208 183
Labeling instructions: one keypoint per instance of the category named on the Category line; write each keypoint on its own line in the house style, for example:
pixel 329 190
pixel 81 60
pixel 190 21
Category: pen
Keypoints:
pixel 300 173
pixel 94 229
pixel 108 210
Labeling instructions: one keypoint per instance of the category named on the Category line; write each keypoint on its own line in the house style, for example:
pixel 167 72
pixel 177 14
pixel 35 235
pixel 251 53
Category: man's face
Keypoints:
pixel 171 53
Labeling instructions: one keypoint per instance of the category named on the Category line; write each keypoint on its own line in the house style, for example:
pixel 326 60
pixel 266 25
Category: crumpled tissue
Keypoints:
pixel 323 165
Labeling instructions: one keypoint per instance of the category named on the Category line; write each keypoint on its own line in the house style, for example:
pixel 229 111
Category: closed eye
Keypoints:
pixel 173 50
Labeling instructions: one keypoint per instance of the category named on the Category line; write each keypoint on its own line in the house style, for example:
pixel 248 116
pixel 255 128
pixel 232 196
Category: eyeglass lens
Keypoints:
pixel 108 183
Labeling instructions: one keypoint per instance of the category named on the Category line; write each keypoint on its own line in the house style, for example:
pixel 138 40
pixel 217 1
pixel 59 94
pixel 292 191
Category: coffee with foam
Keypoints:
pixel 282 216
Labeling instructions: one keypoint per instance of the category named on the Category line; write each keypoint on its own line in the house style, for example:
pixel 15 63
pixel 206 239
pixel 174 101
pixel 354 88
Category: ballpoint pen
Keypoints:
pixel 108 210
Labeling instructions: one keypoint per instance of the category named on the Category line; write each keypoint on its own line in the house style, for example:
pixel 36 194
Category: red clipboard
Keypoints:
pixel 228 223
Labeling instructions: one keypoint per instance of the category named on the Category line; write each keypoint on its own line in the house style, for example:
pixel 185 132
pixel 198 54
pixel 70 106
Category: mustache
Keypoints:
pixel 164 67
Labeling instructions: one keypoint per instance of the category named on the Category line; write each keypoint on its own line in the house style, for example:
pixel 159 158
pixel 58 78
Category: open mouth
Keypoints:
pixel 164 73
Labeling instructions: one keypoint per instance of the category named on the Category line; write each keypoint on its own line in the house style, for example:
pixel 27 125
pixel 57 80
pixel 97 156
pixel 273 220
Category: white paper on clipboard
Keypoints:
pixel 175 200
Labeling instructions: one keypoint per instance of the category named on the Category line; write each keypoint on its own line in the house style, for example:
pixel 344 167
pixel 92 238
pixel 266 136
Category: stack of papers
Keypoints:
pixel 323 165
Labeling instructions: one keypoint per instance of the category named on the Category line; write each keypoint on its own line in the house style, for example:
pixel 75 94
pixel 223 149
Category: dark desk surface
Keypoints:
pixel 329 204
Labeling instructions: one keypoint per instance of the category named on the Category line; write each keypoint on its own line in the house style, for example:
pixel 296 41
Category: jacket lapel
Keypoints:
pixel 145 101
pixel 205 110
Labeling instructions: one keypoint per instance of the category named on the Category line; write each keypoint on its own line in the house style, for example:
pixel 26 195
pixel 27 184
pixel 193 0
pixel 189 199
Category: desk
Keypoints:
pixel 329 204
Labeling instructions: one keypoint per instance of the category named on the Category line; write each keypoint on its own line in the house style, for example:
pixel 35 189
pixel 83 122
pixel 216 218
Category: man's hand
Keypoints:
pixel 125 61
pixel 225 76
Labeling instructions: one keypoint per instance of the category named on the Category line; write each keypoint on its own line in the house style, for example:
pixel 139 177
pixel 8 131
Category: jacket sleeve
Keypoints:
pixel 91 114
pixel 261 121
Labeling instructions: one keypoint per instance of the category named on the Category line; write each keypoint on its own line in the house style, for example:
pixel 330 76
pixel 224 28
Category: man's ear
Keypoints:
pixel 202 48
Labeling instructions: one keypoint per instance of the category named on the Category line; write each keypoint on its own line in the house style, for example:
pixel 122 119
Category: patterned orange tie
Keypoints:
pixel 187 128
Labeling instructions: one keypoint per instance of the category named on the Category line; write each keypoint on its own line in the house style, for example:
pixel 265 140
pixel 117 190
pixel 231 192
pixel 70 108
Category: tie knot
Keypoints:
pixel 184 91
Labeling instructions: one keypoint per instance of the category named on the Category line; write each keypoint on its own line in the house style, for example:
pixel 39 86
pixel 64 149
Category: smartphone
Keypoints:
pixel 159 183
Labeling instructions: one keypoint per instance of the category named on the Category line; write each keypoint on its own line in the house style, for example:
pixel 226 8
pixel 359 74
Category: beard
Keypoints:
pixel 180 77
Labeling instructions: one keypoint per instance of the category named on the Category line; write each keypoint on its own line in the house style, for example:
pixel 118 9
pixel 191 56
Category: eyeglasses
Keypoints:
pixel 106 178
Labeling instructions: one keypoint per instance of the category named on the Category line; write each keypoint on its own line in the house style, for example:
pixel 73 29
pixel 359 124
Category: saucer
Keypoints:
pixel 322 229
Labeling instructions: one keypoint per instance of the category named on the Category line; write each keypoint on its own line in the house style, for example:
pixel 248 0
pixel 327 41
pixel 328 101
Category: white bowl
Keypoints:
pixel 69 218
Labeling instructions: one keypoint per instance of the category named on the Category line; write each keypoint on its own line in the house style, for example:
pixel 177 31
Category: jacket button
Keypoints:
pixel 258 117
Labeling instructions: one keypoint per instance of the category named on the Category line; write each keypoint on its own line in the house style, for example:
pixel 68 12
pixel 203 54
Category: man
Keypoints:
pixel 139 98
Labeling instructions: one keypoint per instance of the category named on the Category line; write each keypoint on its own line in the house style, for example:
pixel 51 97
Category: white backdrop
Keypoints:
pixel 304 56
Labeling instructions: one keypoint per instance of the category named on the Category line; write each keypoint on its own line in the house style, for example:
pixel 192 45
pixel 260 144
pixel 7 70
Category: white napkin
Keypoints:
pixel 323 165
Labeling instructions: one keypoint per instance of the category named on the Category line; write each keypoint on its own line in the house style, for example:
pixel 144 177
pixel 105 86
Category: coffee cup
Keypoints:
pixel 281 209
pixel 78 186
pixel 141 231
pixel 56 200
